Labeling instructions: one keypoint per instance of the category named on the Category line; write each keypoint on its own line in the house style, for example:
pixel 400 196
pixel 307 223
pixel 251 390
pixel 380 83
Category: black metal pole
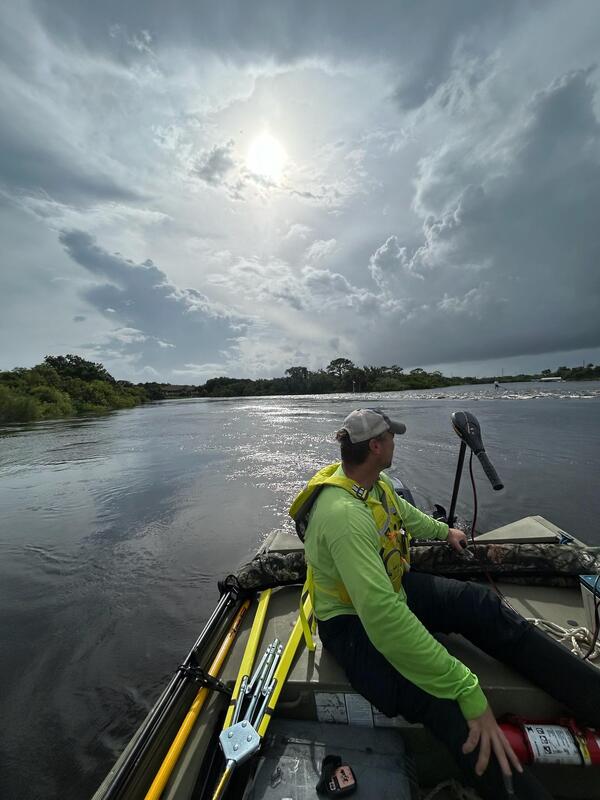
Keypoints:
pixel 457 477
pixel 225 610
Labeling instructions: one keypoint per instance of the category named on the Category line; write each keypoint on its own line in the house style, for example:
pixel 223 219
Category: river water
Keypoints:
pixel 115 529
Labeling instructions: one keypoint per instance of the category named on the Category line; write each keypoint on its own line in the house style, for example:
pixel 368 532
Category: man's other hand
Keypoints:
pixel 485 732
pixel 457 539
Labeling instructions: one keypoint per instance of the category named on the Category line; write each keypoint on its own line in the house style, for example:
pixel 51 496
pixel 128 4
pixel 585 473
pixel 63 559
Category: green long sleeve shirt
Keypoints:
pixel 342 547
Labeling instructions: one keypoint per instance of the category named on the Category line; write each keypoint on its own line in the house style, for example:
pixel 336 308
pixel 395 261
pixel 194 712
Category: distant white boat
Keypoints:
pixel 551 380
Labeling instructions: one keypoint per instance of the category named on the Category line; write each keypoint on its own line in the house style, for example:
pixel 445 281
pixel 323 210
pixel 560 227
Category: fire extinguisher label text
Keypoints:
pixel 552 744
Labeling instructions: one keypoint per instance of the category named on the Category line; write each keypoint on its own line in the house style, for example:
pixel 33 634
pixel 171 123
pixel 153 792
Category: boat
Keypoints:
pixel 557 379
pixel 180 751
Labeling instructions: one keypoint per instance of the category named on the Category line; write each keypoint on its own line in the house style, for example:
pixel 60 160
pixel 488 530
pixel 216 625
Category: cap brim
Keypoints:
pixel 397 427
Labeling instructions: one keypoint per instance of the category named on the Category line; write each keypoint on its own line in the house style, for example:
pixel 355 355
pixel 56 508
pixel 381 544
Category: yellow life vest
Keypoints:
pixel 394 542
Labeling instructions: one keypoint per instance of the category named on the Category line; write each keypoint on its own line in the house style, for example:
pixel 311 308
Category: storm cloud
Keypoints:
pixel 510 261
pixel 432 201
pixel 151 316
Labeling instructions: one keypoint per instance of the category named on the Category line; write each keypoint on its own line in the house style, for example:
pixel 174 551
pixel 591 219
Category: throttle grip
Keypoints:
pixel 490 471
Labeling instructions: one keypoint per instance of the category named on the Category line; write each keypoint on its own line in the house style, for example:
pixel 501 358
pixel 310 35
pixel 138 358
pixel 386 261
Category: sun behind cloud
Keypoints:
pixel 266 157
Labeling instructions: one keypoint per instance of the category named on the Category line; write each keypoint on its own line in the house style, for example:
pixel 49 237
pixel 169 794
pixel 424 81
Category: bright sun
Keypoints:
pixel 266 157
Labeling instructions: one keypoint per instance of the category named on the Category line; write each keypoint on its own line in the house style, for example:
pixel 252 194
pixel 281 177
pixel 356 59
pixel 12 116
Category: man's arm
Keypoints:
pixel 390 624
pixel 420 525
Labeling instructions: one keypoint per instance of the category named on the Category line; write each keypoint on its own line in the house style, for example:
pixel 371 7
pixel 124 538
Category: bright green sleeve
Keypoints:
pixel 418 524
pixel 391 626
pixel 421 525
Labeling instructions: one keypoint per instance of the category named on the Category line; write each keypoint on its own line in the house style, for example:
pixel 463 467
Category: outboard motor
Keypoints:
pixel 438 511
pixel 467 428
pixel 403 491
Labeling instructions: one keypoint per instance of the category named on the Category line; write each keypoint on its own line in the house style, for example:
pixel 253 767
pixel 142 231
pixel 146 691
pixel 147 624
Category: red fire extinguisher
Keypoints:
pixel 564 742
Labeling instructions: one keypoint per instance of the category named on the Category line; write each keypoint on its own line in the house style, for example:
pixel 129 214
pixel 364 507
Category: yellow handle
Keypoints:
pixel 167 766
pixel 279 677
pixel 249 652
pixel 284 665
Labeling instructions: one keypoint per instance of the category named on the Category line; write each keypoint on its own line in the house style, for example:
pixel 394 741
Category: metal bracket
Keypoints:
pixel 202 677
pixel 239 742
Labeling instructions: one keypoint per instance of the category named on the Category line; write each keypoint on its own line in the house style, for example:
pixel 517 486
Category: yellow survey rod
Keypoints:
pixel 167 766
pixel 284 665
pixel 279 678
pixel 249 652
pixel 223 781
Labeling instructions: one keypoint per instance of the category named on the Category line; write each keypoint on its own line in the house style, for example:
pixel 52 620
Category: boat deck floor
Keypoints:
pixel 318 692
pixel 317 688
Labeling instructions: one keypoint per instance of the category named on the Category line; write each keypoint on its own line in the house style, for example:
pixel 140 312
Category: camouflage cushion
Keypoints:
pixel 542 564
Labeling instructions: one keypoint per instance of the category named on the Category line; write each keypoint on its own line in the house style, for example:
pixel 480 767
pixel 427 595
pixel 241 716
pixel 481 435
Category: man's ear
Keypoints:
pixel 374 445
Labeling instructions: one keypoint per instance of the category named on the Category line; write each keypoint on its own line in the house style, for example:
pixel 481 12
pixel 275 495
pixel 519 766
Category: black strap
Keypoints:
pixel 202 677
pixel 230 584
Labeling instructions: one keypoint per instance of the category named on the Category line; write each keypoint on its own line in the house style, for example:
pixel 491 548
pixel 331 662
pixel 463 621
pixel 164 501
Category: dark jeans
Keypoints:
pixel 444 606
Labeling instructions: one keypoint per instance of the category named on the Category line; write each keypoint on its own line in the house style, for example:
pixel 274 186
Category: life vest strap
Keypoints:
pixel 308 629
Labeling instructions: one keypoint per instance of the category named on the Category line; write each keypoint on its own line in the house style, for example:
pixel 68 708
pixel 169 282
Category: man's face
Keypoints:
pixel 386 450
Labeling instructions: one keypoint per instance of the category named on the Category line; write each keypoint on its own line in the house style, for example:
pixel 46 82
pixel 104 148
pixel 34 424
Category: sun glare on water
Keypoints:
pixel 266 157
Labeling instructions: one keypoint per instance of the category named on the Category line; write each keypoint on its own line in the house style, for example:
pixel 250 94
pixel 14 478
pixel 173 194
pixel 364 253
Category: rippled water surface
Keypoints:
pixel 115 529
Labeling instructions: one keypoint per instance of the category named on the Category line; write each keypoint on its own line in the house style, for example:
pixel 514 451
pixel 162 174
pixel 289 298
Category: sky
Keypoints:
pixel 201 189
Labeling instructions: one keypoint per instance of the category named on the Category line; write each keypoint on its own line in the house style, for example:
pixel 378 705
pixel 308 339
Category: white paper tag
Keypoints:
pixel 331 707
pixel 381 721
pixel 360 711
pixel 552 744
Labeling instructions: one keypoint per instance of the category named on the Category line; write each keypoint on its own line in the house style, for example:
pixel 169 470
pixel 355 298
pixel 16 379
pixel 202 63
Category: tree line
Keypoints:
pixel 64 386
pixel 341 375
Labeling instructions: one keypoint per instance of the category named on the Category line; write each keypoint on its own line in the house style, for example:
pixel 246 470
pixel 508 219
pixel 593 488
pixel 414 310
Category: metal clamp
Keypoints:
pixel 202 677
pixel 241 740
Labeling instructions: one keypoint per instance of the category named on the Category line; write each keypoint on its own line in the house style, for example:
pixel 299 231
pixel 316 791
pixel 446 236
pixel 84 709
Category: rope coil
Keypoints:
pixel 578 639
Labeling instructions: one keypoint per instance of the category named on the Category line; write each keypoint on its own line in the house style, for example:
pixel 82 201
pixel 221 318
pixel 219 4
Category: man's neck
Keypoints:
pixel 364 474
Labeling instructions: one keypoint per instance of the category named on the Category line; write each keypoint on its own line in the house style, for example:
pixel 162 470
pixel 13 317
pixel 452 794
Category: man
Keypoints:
pixel 377 618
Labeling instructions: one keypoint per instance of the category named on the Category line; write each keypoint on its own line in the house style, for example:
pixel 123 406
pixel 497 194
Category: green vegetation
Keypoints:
pixel 341 375
pixel 64 386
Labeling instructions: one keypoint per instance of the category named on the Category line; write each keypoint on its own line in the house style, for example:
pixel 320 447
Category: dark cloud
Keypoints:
pixel 450 198
pixel 158 324
pixel 214 166
pixel 420 38
pixel 32 162
pixel 511 266
pixel 42 151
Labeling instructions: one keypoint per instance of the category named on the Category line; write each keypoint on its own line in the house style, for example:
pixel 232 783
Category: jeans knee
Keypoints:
pixel 487 600
pixel 485 614
pixel 479 601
